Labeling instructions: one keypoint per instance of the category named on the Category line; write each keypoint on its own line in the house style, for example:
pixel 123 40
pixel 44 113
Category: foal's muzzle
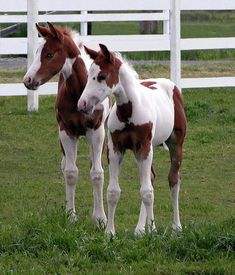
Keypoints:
pixel 87 106
pixel 31 83
pixel 83 106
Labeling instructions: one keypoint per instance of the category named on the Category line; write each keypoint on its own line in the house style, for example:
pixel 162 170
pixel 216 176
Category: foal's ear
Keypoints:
pixel 44 32
pixel 108 55
pixel 55 32
pixel 93 54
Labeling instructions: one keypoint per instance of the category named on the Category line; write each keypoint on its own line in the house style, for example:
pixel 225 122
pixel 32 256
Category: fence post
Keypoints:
pixel 83 27
pixel 175 42
pixel 32 44
pixel 166 25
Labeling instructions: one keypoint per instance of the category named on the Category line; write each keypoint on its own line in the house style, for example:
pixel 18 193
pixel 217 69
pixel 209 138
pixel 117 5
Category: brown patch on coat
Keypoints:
pixel 149 84
pixel 176 139
pixel 180 123
pixel 124 111
pixel 134 137
pixel 76 123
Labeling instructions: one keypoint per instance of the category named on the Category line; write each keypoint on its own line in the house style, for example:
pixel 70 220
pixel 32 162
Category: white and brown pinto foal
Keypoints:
pixel 145 115
pixel 59 53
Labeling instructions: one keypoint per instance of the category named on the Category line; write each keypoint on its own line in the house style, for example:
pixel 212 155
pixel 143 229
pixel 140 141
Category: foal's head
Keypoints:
pixel 103 76
pixel 51 55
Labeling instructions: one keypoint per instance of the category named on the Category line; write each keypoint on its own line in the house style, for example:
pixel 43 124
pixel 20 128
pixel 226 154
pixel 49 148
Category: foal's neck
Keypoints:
pixel 127 89
pixel 75 75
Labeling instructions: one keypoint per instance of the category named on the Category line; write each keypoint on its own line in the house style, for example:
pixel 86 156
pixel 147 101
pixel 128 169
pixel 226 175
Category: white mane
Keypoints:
pixel 88 61
pixel 85 57
pixel 128 65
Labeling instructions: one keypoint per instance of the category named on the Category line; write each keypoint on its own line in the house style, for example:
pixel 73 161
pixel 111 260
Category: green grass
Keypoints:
pixel 202 69
pixel 36 238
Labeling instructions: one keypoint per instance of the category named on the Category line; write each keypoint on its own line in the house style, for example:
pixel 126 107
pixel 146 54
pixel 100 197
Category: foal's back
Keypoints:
pixel 157 106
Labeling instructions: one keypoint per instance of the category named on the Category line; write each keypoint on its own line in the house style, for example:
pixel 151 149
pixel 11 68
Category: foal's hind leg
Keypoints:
pixel 95 139
pixel 140 228
pixel 176 153
pixel 70 171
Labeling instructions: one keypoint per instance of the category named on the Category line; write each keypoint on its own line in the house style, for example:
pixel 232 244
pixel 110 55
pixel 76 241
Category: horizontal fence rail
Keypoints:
pixel 167 11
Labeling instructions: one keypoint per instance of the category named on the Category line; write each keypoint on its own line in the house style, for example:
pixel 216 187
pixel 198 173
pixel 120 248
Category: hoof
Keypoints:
pixel 177 228
pixel 110 233
pixel 100 221
pixel 139 232
pixel 72 217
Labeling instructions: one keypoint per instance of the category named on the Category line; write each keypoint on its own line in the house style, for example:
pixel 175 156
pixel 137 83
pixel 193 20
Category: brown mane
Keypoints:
pixel 65 30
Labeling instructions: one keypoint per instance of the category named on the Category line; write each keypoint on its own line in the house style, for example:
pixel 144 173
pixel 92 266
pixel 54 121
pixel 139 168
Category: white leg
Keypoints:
pixel 146 192
pixel 175 203
pixel 140 228
pixel 70 171
pixel 114 191
pixel 95 139
pixel 63 164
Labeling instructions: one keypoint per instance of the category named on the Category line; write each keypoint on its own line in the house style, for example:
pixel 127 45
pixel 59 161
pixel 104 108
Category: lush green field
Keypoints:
pixel 35 237
pixel 189 69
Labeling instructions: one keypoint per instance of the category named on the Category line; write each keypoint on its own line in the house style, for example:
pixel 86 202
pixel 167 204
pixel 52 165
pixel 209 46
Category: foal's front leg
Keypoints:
pixel 70 171
pixel 95 139
pixel 114 191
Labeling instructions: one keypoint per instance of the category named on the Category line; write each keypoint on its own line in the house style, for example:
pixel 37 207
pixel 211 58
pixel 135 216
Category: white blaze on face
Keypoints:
pixel 93 72
pixel 35 66
pixel 96 87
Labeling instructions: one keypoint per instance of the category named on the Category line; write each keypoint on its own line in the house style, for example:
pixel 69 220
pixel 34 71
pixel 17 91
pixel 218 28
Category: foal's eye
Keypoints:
pixel 49 55
pixel 101 77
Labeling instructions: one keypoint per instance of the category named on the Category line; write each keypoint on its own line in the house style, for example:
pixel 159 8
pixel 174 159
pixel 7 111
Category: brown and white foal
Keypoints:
pixel 58 53
pixel 144 116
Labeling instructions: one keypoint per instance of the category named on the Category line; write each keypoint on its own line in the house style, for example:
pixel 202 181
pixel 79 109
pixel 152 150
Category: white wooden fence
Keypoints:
pixel 168 11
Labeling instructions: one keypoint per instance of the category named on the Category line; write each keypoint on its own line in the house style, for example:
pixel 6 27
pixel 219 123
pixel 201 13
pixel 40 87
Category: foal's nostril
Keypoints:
pixel 36 83
pixel 31 83
pixel 82 105
pixel 27 80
